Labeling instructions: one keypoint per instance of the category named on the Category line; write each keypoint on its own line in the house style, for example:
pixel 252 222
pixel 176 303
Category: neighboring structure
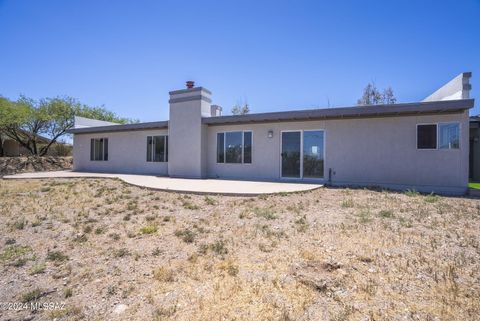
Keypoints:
pixel 11 148
pixel 422 145
pixel 474 158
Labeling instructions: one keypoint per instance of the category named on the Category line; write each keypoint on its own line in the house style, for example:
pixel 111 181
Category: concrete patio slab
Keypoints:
pixel 199 186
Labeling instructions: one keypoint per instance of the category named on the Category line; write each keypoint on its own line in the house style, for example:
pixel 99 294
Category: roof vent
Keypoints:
pixel 190 84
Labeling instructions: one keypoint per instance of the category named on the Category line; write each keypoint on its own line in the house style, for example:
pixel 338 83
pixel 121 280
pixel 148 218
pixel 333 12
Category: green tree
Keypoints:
pixel 26 120
pixel 240 109
pixel 373 96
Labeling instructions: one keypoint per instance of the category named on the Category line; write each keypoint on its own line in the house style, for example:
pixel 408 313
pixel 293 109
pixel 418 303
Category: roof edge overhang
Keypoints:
pixel 394 110
pixel 120 128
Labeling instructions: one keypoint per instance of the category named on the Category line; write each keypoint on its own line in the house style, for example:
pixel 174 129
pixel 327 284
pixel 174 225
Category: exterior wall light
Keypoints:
pixel 270 133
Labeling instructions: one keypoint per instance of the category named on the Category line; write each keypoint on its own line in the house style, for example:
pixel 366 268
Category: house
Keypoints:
pixel 421 145
pixel 11 148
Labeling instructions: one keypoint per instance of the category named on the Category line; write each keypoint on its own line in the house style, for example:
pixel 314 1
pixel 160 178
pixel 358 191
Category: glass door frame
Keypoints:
pixel 301 131
pixel 281 154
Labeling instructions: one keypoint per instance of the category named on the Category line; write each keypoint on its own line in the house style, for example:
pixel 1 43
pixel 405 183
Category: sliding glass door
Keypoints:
pixel 291 142
pixel 302 154
pixel 313 154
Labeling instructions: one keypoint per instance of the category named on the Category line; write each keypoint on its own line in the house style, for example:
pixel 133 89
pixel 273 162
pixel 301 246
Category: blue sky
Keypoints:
pixel 277 55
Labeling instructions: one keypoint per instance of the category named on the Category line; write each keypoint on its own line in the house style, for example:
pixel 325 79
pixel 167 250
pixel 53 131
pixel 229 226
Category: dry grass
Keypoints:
pixel 330 254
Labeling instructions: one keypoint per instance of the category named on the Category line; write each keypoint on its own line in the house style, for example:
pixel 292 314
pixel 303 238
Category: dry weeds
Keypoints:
pixel 116 252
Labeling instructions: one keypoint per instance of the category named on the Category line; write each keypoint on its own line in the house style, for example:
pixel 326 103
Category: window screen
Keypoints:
pixel 427 136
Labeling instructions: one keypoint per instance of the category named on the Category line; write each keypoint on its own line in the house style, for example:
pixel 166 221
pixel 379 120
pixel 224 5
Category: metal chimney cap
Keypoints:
pixel 190 84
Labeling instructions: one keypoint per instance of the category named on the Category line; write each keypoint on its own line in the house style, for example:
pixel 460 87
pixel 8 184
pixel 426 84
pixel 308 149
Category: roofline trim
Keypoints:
pixel 374 111
pixel 403 109
pixel 120 128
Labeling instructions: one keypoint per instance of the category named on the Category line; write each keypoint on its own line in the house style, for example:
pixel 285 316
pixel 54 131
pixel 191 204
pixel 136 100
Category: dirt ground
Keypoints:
pixel 98 249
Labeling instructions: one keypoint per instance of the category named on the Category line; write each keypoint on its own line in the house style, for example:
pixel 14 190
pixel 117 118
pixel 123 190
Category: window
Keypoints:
pixel 220 147
pixel 157 148
pixel 313 154
pixel 234 147
pixel 427 136
pixel 247 147
pixel 449 136
pixel 99 149
pixel 441 136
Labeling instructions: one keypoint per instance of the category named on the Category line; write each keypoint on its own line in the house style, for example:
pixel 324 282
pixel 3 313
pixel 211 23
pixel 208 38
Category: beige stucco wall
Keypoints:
pixel 127 153
pixel 373 151
pixel 187 156
pixel 370 151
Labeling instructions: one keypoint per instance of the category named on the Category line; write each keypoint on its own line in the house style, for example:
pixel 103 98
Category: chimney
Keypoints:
pixel 187 135
pixel 216 110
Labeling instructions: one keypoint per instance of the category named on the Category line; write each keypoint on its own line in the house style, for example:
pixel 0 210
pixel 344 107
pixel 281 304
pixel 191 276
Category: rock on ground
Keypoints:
pixel 13 165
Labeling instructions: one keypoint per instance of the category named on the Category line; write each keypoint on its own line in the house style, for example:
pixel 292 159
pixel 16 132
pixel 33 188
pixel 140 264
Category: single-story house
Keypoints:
pixel 421 145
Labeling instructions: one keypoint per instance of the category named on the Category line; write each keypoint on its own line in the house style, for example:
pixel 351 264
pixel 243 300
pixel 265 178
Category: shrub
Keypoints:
pixel 347 203
pixel 186 235
pixel 31 296
pixel 163 274
pixel 14 252
pixel 411 193
pixel 37 269
pixel 56 256
pixel 386 214
pixel 431 198
pixel 99 230
pixel 148 229
pixel 210 201
pixel 115 236
pixel 219 247
pixel 229 267
pixel 121 252
pixel 20 224
pixel 68 293
pixel 266 213
pixel 301 223
pixel 189 206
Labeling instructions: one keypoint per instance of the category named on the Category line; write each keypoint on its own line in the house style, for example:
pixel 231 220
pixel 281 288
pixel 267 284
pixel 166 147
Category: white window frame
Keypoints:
pixel 225 146
pixel 438 136
pixel 165 149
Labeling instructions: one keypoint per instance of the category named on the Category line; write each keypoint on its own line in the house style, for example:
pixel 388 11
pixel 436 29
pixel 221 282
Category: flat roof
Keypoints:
pixel 120 127
pixel 370 111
